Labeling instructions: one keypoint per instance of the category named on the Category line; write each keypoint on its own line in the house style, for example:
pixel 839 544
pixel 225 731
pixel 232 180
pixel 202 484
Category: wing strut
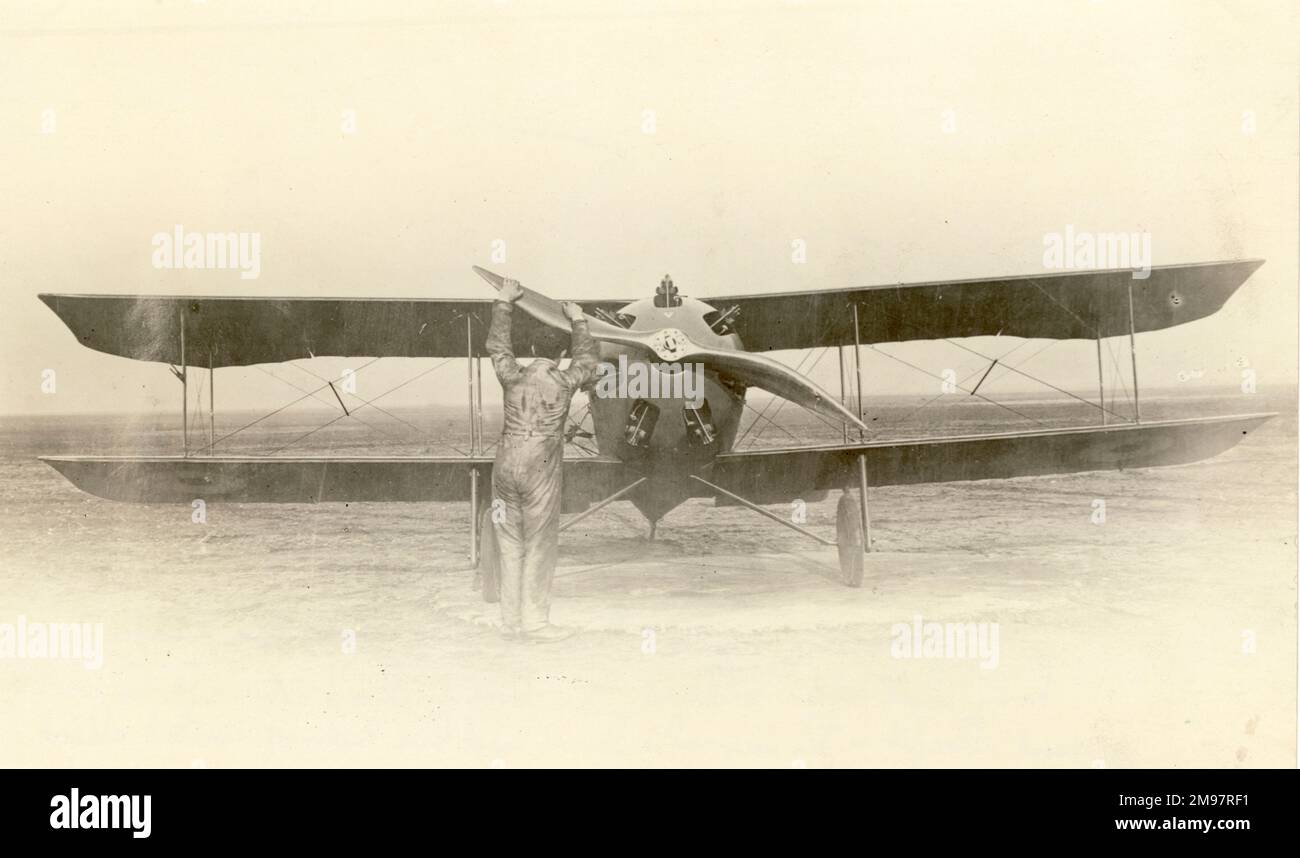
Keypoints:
pixel 473 517
pixel 606 502
pixel 1101 384
pixel 469 374
pixel 984 376
pixel 758 509
pixel 212 404
pixel 839 351
pixel 862 460
pixel 474 374
pixel 185 393
pixel 335 391
pixel 1132 353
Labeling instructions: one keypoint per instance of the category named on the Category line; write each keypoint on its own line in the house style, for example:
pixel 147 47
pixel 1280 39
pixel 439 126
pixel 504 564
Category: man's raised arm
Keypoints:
pixel 498 338
pixel 585 351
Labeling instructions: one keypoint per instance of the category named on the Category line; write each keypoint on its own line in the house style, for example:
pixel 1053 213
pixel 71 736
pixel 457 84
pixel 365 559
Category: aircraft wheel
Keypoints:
pixel 849 539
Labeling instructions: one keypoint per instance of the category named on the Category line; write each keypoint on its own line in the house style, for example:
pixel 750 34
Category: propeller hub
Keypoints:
pixel 671 344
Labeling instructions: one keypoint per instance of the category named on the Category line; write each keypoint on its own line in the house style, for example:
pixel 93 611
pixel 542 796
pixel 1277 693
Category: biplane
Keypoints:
pixel 658 452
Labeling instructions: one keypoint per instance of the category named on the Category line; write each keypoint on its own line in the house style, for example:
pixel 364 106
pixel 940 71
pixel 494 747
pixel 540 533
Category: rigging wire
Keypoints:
pixel 757 416
pixel 783 402
pixel 768 405
pixel 825 331
pixel 409 424
pixel 894 424
pixel 282 408
pixel 873 347
pixel 378 429
pixel 1118 374
pixel 380 396
pixel 1033 378
pixel 456 317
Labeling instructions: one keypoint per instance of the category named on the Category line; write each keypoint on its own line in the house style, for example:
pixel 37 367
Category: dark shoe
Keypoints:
pixel 549 634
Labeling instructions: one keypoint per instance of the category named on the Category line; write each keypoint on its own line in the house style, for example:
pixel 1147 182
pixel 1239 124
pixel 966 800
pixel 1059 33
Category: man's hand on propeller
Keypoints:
pixel 512 291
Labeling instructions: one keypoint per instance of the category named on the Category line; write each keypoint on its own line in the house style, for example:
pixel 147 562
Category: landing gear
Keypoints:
pixel 849 531
pixel 849 540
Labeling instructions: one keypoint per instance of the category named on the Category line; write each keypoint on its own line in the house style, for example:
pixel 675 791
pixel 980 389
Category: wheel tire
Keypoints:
pixel 849 540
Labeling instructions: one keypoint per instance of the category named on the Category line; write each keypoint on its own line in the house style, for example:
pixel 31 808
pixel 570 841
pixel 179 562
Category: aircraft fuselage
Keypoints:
pixel 666 437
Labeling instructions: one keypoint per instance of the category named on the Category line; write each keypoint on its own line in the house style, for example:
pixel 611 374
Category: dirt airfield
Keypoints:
pixel 340 635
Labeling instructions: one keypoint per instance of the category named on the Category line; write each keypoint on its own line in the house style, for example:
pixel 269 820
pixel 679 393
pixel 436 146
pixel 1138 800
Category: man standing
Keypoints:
pixel 526 478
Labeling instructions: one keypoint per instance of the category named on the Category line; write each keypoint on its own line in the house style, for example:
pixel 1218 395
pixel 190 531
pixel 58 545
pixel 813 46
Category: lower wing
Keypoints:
pixel 265 479
pixel 774 476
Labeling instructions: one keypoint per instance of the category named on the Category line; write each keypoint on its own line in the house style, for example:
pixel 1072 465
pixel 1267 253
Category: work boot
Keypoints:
pixel 548 634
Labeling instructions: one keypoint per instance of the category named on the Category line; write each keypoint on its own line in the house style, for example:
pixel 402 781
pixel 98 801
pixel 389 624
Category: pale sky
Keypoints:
pixel 901 142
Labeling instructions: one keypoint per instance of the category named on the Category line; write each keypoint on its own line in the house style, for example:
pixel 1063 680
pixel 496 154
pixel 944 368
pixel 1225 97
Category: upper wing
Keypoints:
pixel 249 330
pixel 1074 305
pixel 246 330
pixel 774 476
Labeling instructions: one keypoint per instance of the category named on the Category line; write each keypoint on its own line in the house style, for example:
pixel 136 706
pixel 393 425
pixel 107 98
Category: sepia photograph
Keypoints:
pixel 751 384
